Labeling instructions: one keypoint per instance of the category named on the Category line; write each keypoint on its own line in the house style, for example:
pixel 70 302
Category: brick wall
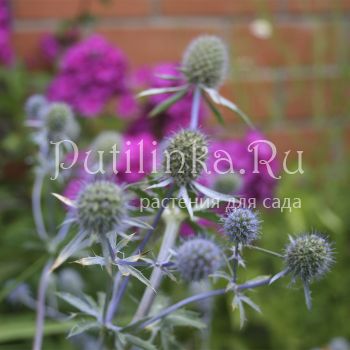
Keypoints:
pixel 291 73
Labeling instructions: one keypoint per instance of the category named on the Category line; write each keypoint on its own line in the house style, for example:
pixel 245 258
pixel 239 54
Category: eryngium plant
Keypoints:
pixel 103 214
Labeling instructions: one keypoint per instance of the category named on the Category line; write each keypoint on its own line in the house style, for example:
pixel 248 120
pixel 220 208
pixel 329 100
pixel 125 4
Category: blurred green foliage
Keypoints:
pixel 285 322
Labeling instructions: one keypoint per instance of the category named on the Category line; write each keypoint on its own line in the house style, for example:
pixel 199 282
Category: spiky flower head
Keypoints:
pixel 241 225
pixel 308 256
pixel 185 156
pixel 59 122
pixel 205 61
pixel 34 105
pixel 197 258
pixel 101 207
pixel 106 142
pixel 228 183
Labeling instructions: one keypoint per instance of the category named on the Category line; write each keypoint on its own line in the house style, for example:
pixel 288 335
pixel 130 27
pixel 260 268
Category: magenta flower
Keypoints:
pixel 91 73
pixel 6 52
pixel 139 164
pixel 258 185
pixel 50 47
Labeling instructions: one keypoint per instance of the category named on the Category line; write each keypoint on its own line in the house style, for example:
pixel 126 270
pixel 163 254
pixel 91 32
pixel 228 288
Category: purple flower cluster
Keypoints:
pixel 52 45
pixel 6 53
pixel 258 185
pixel 173 119
pixel 90 74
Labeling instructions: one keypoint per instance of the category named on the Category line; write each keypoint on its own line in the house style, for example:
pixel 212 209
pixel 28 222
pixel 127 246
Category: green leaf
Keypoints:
pixel 82 327
pixel 185 318
pixel 214 110
pixel 143 344
pixel 237 303
pixel 23 327
pixel 77 243
pixel 80 304
pixel 167 103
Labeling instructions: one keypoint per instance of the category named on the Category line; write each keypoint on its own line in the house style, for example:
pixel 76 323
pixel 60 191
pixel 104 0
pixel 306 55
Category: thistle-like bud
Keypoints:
pixel 228 183
pixel 34 105
pixel 185 156
pixel 205 61
pixel 59 122
pixel 308 256
pixel 101 207
pixel 106 142
pixel 241 225
pixel 197 258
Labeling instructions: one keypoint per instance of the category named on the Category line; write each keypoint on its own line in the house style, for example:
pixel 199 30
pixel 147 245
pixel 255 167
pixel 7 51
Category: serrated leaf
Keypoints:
pixel 220 100
pixel 278 276
pixel 213 194
pixel 158 91
pixel 250 302
pixel 137 274
pixel 162 107
pixel 143 344
pixel 91 260
pixel 184 195
pixel 82 327
pixel 214 110
pixel 137 223
pixel 237 303
pixel 77 243
pixel 65 200
pixel 79 304
pixel 185 318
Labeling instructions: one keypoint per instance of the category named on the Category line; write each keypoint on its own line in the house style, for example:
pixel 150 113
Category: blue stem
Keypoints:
pixel 119 289
pixel 195 108
pixel 201 296
pixel 40 310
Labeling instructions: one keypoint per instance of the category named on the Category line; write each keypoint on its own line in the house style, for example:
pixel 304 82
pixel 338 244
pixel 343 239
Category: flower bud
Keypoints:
pixel 242 226
pixel 205 61
pixel 59 122
pixel 228 183
pixel 197 258
pixel 106 142
pixel 185 156
pixel 101 207
pixel 34 105
pixel 308 256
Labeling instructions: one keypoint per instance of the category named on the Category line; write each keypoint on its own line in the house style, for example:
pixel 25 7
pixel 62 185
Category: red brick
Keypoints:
pixel 41 9
pixel 255 98
pixel 315 144
pixel 289 44
pixel 26 45
pixel 317 5
pixel 153 45
pixel 316 97
pixel 217 7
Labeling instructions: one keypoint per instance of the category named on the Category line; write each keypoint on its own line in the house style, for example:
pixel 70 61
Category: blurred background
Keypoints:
pixel 290 74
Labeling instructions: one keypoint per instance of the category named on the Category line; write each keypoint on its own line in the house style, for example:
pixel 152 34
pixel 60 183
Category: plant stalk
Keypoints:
pixel 40 307
pixel 170 234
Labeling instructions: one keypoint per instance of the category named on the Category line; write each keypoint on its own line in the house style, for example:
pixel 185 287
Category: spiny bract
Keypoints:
pixel 197 258
pixel 101 207
pixel 205 61
pixel 308 256
pixel 185 156
pixel 241 225
pixel 59 122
